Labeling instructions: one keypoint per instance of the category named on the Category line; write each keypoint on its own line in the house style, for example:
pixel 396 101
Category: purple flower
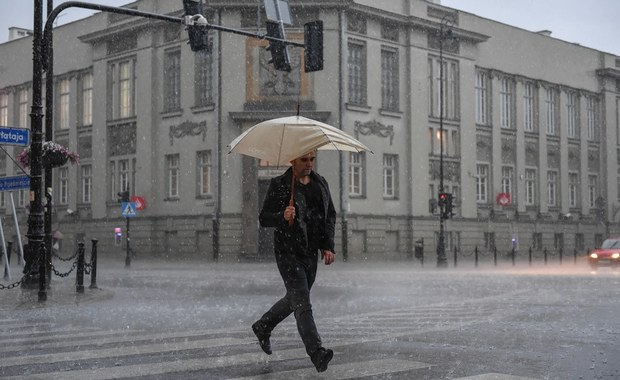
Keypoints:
pixel 49 147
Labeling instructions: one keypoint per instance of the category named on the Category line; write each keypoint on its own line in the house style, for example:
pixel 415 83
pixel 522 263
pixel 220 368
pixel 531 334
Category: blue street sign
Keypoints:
pixel 14 136
pixel 128 209
pixel 14 183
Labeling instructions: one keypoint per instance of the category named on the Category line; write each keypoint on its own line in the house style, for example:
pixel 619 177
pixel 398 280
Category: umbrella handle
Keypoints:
pixel 291 203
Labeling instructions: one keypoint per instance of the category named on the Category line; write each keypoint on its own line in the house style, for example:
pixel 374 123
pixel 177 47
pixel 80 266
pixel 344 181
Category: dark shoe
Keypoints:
pixel 321 359
pixel 263 338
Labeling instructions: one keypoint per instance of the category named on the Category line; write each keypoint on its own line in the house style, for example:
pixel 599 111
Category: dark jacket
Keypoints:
pixel 294 239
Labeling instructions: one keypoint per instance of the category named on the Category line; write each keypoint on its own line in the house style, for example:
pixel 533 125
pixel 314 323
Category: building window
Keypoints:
pixel 571 114
pixel 121 89
pixel 172 81
pixel 204 173
pixel 22 108
pixel 357 73
pixel 390 175
pixel 552 187
pixel 63 104
pixel 506 99
pixel 591 124
pixel 592 190
pixel 356 174
pixel 87 183
pixel 172 168
pixel 579 242
pixel 482 183
pixel 21 197
pixel 450 88
pixel 63 185
pixel 389 80
pixel 204 79
pixel 507 179
pixel 551 104
pixel 121 176
pixel 530 187
pixel 537 240
pixel 482 97
pixel 489 240
pixel 573 189
pixel 528 107
pixel 4 109
pixel 87 99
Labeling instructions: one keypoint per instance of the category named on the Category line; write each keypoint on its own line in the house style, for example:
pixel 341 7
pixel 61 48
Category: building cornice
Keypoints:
pixel 609 72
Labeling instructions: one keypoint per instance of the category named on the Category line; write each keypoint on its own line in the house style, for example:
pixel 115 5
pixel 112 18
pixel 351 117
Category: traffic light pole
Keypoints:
pixel 442 261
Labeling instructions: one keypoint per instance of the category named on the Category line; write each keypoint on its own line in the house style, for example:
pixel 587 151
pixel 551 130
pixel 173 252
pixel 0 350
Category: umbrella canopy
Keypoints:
pixel 281 140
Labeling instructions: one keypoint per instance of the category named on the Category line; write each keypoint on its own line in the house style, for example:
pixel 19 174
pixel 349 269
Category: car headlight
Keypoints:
pixel 615 255
pixel 593 256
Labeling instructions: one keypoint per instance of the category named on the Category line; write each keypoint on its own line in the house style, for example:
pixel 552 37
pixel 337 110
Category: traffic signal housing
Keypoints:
pixel 313 45
pixel 445 205
pixel 197 29
pixel 279 53
pixel 123 196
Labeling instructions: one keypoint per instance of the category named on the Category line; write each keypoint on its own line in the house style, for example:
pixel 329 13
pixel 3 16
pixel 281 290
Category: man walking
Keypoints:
pixel 301 231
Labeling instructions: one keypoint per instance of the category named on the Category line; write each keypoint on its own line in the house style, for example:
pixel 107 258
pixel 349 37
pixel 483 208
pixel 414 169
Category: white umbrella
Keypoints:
pixel 281 140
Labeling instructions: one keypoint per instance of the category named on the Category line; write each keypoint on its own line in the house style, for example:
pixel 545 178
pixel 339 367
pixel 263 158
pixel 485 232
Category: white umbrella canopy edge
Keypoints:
pixel 283 139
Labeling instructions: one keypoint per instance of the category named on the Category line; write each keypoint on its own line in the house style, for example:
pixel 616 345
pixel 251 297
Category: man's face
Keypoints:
pixel 303 165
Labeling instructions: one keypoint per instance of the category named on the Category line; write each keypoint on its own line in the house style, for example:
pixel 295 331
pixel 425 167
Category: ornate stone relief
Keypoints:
pixel 574 158
pixel 483 148
pixel 374 128
pixel 509 151
pixel 188 128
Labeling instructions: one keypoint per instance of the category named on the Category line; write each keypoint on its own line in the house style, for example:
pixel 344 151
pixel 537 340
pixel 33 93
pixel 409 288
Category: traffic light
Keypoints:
pixel 445 204
pixel 197 29
pixel 279 53
pixel 123 196
pixel 313 42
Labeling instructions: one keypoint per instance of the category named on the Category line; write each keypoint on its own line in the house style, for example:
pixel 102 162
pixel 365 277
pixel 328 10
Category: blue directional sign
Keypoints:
pixel 14 183
pixel 14 136
pixel 128 209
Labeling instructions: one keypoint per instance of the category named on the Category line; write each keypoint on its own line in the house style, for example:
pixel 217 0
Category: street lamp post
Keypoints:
pixel 445 32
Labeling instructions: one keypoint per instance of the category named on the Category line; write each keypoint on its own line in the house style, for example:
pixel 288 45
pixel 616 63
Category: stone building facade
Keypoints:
pixel 526 117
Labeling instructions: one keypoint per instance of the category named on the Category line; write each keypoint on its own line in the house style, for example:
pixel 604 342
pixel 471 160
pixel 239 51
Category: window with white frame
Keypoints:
pixel 591 127
pixel 204 79
pixel 122 175
pixel 87 99
pixel 172 80
pixel 507 179
pixel 552 187
pixel 63 185
pixel 389 79
pixel 482 183
pixel 87 182
pixel 482 97
pixel 573 189
pixel 22 108
pixel 204 172
pixel 21 197
pixel 356 174
pixel 4 109
pixel 390 175
pixel 451 145
pixel 172 168
pixel 450 104
pixel 550 106
pixel 357 73
pixel 530 187
pixel 592 190
pixel 63 104
pixel 121 89
pixel 506 98
pixel 571 114
pixel 528 107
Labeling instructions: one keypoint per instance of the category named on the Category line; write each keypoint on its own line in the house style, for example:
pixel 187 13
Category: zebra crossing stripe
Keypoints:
pixel 494 376
pixel 347 370
pixel 121 351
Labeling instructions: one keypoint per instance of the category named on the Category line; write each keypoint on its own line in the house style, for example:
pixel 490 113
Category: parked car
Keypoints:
pixel 607 255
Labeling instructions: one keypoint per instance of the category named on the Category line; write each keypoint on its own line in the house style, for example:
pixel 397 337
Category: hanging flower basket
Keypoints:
pixel 54 155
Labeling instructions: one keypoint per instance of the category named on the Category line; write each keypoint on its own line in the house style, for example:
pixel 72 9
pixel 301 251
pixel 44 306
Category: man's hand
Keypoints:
pixel 289 214
pixel 328 256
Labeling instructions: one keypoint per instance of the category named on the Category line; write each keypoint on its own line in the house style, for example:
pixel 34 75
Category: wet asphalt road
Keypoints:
pixel 191 319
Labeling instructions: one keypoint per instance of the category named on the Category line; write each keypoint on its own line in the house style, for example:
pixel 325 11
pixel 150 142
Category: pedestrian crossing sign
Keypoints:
pixel 128 209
